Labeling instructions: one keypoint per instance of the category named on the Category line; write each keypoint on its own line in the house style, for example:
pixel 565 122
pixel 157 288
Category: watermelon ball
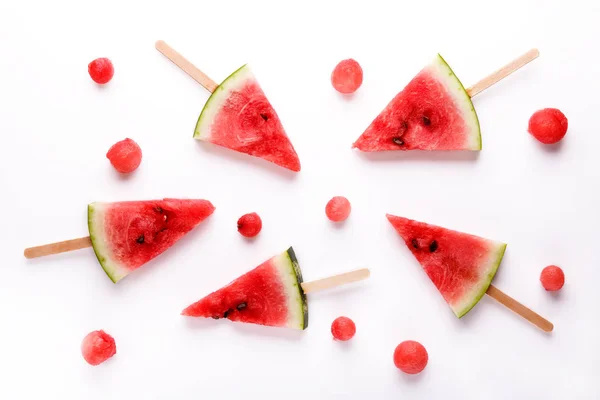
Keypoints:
pixel 125 156
pixel 338 209
pixel 548 126
pixel 410 357
pixel 97 347
pixel 347 76
pixel 343 328
pixel 552 278
pixel 249 225
pixel 101 70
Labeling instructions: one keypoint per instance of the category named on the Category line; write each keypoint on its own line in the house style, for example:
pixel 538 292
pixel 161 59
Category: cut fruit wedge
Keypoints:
pixel 239 116
pixel 433 112
pixel 460 265
pixel 270 294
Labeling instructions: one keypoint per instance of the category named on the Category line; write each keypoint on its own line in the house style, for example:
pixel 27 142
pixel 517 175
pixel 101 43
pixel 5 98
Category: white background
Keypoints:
pixel 56 126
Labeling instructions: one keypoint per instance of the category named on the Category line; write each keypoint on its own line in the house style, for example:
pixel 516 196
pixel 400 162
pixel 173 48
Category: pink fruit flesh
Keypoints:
pixel 101 70
pixel 343 328
pixel 410 357
pixel 125 156
pixel 249 225
pixel 97 347
pixel 347 76
pixel 552 278
pixel 256 297
pixel 338 209
pixel 141 230
pixel 548 126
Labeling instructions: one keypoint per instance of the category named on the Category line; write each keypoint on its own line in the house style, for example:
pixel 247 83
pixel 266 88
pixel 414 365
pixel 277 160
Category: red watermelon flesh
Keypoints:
pixel 433 112
pixel 270 295
pixel 126 235
pixel 239 116
pixel 460 265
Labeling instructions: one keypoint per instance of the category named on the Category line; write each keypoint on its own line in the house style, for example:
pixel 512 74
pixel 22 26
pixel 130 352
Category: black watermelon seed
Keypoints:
pixel 415 243
pixel 397 140
pixel 225 314
pixel 215 317
pixel 140 240
pixel 426 121
pixel 241 306
pixel 433 246
pixel 264 116
pixel 158 209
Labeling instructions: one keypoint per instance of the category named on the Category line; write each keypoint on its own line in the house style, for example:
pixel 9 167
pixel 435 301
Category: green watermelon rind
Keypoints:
pixel 217 99
pixel 99 243
pixel 460 94
pixel 477 293
pixel 293 286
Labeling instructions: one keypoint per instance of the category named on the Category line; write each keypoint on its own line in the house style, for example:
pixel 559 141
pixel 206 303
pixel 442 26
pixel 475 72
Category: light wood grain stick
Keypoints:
pixel 336 280
pixel 520 309
pixel 59 247
pixel 186 66
pixel 503 72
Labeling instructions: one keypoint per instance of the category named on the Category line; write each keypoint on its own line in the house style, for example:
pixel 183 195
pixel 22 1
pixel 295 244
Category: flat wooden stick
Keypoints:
pixel 60 247
pixel 186 66
pixel 520 309
pixel 336 280
pixel 503 72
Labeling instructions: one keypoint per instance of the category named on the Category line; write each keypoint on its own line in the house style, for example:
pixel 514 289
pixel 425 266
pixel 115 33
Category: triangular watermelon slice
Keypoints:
pixel 239 116
pixel 433 112
pixel 460 265
pixel 270 295
pixel 126 235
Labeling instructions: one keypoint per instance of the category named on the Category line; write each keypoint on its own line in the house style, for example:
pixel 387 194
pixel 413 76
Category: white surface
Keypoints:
pixel 56 127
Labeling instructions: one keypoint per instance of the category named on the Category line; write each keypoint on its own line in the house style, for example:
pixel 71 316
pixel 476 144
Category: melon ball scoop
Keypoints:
pixel 433 112
pixel 126 235
pixel 272 294
pixel 461 266
pixel 238 115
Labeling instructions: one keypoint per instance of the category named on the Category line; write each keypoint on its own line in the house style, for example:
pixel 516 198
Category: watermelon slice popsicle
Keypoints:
pixel 126 235
pixel 461 266
pixel 272 294
pixel 238 115
pixel 433 112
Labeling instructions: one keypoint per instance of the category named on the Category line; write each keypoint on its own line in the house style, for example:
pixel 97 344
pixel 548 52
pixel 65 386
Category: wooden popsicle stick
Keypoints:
pixel 503 72
pixel 186 66
pixel 520 309
pixel 336 280
pixel 59 247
